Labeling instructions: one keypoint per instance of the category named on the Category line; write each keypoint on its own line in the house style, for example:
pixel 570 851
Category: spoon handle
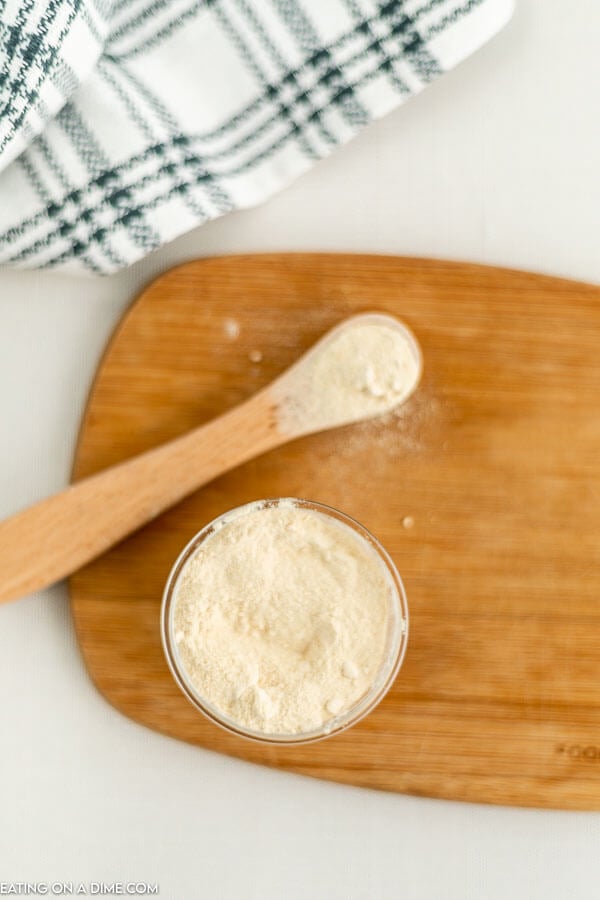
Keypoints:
pixel 53 538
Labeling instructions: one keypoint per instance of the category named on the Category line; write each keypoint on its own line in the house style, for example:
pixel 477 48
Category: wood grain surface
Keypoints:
pixel 493 464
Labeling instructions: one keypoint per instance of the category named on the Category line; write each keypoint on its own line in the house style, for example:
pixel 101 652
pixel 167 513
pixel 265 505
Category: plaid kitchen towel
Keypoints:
pixel 124 123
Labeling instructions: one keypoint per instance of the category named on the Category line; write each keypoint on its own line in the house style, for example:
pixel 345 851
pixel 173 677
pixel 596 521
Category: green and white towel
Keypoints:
pixel 124 123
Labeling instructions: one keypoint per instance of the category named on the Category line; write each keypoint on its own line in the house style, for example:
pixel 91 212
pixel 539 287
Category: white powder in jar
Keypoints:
pixel 282 618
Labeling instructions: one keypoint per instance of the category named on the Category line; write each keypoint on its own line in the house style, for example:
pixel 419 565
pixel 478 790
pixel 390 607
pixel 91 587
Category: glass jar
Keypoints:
pixel 396 641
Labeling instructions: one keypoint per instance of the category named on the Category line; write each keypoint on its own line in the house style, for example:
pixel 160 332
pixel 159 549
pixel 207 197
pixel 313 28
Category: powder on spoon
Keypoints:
pixel 281 618
pixel 366 367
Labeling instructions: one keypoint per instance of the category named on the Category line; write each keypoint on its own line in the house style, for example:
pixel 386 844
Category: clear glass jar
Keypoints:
pixel 392 658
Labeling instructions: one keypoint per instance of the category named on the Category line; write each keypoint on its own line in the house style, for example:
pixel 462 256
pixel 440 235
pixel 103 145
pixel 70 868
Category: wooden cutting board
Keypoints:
pixel 486 493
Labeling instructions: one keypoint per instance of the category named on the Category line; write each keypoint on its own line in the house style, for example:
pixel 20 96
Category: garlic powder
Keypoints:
pixel 282 618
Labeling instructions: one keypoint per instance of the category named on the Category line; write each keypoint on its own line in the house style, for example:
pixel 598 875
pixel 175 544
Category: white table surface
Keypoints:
pixel 497 162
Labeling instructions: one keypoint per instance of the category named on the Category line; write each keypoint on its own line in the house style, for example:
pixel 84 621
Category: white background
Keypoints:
pixel 497 162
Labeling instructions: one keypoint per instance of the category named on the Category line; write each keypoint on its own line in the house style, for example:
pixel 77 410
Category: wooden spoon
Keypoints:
pixel 55 537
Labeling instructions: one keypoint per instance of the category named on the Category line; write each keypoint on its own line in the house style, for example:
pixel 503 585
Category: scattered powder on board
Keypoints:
pixel 370 365
pixel 281 618
pixel 231 327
